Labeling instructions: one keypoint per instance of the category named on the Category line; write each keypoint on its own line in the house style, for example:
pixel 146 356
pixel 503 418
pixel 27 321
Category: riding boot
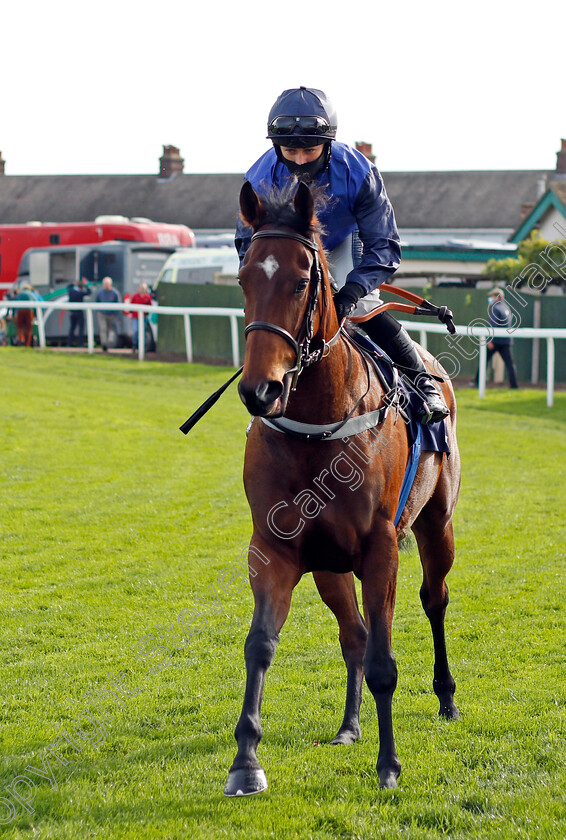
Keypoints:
pixel 388 334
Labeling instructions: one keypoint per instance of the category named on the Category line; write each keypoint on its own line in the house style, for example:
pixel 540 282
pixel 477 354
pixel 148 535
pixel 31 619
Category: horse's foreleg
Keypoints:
pixel 339 594
pixel 272 586
pixel 379 580
pixel 435 541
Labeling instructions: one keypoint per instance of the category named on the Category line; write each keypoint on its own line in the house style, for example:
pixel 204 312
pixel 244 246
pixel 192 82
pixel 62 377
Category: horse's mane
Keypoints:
pixel 277 204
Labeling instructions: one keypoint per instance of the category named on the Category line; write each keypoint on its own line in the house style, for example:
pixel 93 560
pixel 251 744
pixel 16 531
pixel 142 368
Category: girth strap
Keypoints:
pixel 332 431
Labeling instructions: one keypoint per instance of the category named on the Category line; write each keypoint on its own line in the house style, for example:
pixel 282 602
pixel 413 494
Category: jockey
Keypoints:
pixel 359 231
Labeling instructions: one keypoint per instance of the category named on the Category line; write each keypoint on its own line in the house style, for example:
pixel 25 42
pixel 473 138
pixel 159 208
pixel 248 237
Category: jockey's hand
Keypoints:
pixel 346 299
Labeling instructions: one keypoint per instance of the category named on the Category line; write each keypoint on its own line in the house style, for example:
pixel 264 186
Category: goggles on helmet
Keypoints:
pixel 309 125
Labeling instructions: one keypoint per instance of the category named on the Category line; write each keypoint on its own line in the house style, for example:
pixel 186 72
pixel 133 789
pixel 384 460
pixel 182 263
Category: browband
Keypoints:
pixel 304 240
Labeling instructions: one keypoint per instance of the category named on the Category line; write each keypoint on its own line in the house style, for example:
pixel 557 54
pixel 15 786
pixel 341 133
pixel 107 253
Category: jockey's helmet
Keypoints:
pixel 302 117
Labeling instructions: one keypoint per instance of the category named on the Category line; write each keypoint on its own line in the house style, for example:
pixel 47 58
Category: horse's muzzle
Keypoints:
pixel 263 399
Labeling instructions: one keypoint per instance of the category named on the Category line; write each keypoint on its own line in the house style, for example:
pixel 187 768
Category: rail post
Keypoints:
pixel 482 362
pixel 141 335
pixel 40 327
pixel 235 341
pixel 549 371
pixel 90 330
pixel 188 337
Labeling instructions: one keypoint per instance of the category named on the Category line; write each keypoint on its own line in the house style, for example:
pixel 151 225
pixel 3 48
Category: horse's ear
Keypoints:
pixel 250 205
pixel 304 203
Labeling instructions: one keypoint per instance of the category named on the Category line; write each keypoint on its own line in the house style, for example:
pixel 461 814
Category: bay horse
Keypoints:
pixel 324 501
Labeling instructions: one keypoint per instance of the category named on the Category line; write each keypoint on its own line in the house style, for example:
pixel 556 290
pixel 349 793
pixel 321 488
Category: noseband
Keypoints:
pixel 305 356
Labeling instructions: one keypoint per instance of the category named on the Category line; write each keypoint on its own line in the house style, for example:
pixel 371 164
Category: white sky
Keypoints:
pixel 101 87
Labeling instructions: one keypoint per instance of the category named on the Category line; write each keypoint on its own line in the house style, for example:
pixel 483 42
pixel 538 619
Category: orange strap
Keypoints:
pixel 400 307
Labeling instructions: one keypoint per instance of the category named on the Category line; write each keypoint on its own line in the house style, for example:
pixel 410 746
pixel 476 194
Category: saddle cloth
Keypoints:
pixel 433 436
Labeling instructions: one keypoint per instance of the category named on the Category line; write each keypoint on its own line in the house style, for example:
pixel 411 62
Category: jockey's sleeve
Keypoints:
pixel 242 239
pixel 378 233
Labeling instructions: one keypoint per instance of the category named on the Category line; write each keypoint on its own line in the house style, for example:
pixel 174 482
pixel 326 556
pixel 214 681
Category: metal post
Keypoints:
pixel 141 335
pixel 90 330
pixel 235 341
pixel 536 343
pixel 188 337
pixel 482 362
pixel 550 372
pixel 40 327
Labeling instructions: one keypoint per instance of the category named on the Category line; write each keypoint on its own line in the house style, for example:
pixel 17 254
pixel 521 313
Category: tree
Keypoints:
pixel 538 264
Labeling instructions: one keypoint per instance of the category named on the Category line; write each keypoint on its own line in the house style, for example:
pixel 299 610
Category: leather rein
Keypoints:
pixel 302 345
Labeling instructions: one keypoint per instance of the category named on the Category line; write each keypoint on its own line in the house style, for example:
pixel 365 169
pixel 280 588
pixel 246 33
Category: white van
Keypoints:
pixel 199 265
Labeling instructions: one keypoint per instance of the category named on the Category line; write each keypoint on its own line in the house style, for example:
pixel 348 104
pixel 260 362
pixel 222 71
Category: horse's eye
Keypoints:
pixel 301 286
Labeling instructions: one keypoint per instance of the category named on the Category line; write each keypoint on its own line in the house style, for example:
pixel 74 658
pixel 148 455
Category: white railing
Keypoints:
pixel 43 308
pixel 487 334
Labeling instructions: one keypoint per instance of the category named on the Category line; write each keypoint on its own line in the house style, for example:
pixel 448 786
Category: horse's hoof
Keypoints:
pixel 345 737
pixel 388 774
pixel 388 779
pixel 245 782
pixel 449 710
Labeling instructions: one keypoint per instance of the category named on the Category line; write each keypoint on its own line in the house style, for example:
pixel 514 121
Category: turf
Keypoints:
pixel 115 525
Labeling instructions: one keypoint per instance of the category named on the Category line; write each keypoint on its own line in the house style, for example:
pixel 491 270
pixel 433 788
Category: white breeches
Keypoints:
pixel 341 262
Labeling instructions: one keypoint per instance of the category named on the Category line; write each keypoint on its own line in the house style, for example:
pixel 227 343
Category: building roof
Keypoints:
pixel 555 197
pixel 441 200
pixel 199 201
pixel 475 199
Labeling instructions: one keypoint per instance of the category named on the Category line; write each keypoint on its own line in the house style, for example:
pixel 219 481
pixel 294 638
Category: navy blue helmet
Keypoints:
pixel 302 117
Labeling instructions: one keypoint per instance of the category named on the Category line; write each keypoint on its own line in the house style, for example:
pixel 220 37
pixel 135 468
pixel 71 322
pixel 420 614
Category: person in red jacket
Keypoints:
pixel 141 296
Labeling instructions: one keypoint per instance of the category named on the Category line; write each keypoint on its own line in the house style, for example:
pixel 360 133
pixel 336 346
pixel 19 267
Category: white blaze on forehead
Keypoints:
pixel 269 265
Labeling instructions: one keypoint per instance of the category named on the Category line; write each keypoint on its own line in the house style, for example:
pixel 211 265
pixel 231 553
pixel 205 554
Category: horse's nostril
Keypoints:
pixel 260 399
pixel 267 392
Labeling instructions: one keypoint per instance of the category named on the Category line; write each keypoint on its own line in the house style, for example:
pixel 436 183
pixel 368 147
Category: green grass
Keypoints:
pixel 113 523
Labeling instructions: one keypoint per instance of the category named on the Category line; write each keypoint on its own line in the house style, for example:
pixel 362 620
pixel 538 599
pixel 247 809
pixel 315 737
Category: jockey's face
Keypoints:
pixel 300 156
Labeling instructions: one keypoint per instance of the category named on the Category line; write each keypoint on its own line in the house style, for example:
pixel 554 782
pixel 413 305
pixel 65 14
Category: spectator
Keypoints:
pixel 141 296
pixel 107 318
pixel 3 328
pixel 500 316
pixel 24 317
pixel 77 293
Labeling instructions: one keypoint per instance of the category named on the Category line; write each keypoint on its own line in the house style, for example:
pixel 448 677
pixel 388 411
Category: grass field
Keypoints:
pixel 114 525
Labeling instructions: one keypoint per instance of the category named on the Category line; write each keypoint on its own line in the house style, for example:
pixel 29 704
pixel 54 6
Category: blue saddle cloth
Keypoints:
pixel 433 436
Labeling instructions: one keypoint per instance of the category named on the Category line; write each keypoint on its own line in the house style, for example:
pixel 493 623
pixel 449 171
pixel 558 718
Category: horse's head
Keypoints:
pixel 281 277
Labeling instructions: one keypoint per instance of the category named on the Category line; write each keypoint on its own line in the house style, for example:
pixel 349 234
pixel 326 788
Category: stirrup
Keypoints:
pixel 434 408
pixel 428 414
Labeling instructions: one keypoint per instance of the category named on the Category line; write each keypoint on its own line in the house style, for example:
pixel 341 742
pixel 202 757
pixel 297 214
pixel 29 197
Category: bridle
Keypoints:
pixel 305 356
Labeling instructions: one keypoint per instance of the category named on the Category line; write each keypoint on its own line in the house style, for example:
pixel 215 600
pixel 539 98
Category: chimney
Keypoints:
pixel 561 159
pixel 170 163
pixel 365 149
pixel 2 164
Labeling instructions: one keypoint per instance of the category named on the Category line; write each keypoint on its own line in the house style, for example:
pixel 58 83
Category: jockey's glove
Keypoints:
pixel 346 299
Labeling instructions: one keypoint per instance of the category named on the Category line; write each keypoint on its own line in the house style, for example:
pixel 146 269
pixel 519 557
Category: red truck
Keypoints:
pixel 16 239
